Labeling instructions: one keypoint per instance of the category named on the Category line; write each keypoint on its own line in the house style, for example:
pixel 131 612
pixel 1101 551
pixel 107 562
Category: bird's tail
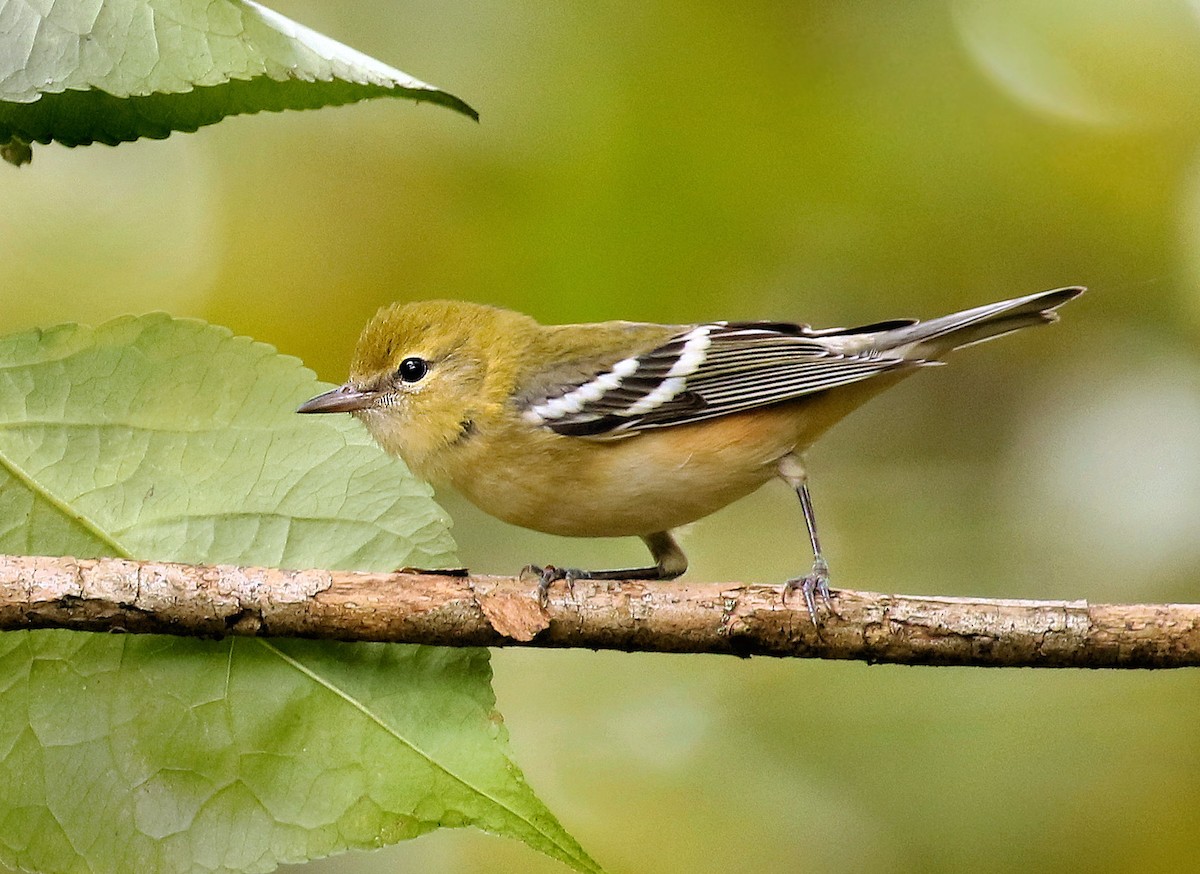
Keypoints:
pixel 932 339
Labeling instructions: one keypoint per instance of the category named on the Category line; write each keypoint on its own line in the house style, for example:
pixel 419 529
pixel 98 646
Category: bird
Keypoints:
pixel 626 428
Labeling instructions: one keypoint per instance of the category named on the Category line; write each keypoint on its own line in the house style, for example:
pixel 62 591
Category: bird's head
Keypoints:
pixel 427 375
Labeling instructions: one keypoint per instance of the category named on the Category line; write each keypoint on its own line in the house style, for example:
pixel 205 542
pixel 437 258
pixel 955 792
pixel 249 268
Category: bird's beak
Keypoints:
pixel 344 399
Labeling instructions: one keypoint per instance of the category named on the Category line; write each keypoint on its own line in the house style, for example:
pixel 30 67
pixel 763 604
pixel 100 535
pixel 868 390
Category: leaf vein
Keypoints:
pixel 63 507
pixel 361 708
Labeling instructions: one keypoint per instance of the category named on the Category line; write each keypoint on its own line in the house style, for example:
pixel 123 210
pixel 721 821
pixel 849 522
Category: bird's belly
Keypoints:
pixel 652 481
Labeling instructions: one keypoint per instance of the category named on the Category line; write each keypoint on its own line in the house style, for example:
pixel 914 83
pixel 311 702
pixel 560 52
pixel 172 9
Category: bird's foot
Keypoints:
pixel 811 586
pixel 550 574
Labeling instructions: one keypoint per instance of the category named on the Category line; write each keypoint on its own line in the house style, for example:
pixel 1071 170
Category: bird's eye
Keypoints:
pixel 412 369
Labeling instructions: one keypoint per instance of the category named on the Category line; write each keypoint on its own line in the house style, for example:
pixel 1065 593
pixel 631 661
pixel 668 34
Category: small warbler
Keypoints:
pixel 623 428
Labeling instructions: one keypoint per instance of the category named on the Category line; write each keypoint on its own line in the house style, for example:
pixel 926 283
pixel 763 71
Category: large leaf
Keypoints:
pixel 82 71
pixel 169 439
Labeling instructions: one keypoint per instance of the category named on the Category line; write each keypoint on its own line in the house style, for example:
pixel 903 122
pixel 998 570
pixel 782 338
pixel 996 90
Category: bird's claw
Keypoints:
pixel 811 586
pixel 548 575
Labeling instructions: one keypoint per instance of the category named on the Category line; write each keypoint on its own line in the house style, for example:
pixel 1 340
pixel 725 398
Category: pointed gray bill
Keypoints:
pixel 343 399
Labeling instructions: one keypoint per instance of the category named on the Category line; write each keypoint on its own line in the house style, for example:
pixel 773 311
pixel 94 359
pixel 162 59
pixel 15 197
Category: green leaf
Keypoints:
pixel 83 71
pixel 170 439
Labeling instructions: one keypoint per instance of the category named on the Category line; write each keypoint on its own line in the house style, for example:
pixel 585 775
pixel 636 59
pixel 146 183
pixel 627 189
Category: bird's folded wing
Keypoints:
pixel 708 371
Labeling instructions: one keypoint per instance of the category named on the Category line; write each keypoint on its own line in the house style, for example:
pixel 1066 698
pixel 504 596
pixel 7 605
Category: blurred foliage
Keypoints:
pixel 825 162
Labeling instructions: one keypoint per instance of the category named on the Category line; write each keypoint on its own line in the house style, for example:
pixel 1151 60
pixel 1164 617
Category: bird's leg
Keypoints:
pixel 669 563
pixel 817 581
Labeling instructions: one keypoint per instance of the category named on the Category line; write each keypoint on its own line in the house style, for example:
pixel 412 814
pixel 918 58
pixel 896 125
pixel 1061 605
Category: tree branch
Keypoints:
pixel 448 610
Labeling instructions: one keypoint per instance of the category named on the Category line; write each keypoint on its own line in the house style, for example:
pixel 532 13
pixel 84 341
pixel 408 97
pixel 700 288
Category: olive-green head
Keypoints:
pixel 426 374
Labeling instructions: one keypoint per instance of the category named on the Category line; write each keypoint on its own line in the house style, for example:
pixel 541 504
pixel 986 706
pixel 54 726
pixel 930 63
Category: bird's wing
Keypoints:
pixel 708 371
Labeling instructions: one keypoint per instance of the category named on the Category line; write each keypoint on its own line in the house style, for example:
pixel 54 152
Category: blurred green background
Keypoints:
pixel 823 162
